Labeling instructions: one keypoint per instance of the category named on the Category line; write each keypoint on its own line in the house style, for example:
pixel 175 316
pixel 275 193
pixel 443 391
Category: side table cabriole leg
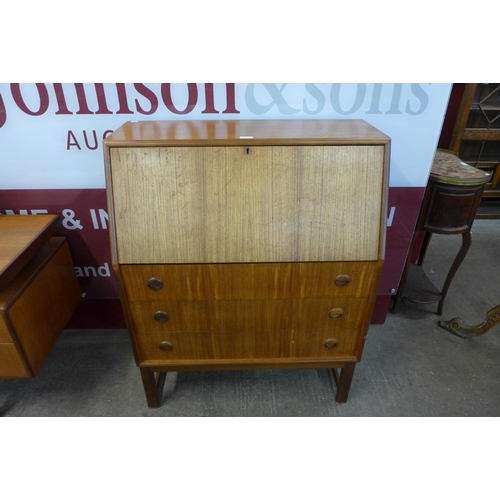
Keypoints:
pixel 423 250
pixel 457 327
pixel 466 243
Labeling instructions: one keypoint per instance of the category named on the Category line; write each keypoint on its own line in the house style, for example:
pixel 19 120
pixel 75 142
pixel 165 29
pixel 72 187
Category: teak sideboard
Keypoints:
pixel 39 291
pixel 252 244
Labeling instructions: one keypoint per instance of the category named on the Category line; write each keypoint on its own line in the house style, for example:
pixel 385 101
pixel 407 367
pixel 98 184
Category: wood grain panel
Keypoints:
pixel 186 345
pixel 311 344
pixel 21 238
pixel 313 314
pixel 248 329
pixel 246 364
pixel 282 203
pixel 215 345
pixel 10 362
pixel 249 315
pixel 218 315
pixel 5 336
pixel 481 134
pixel 244 132
pixel 250 345
pixel 45 300
pixel 248 281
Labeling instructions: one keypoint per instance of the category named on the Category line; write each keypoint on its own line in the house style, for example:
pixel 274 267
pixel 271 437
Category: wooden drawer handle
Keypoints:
pixel 342 280
pixel 160 316
pixel 155 283
pixel 336 312
pixel 329 343
pixel 166 346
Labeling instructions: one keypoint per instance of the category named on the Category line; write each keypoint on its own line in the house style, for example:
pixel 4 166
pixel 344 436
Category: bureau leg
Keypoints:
pixel 343 381
pixel 153 386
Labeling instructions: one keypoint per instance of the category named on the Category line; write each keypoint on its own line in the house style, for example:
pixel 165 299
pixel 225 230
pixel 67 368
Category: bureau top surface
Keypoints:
pixel 244 132
pixel 21 236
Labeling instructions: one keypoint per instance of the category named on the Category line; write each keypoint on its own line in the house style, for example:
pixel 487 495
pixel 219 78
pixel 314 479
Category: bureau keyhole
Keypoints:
pixel 248 151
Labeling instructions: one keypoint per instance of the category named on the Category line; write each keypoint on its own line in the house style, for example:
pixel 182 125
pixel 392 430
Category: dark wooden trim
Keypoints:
pixel 463 114
pixel 481 134
pixel 41 236
pixel 344 382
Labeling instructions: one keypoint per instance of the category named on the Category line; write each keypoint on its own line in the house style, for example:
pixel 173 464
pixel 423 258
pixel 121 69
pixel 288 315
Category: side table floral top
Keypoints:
pixel 447 167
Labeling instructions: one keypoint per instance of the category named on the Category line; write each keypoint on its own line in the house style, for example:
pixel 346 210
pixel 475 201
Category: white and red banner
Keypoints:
pixel 51 158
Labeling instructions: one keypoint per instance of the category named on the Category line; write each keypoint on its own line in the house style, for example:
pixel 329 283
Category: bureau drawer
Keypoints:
pixel 213 345
pixel 248 315
pixel 248 281
pixel 247 345
pixel 329 344
pixel 212 315
pixel 329 314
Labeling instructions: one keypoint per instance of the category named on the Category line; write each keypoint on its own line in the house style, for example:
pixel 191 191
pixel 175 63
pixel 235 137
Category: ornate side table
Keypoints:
pixel 449 206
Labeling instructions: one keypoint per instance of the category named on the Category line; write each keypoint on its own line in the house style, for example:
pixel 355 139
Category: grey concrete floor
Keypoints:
pixel 410 366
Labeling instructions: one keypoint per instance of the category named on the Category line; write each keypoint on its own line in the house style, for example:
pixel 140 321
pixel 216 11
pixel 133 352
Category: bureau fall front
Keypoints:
pixel 251 244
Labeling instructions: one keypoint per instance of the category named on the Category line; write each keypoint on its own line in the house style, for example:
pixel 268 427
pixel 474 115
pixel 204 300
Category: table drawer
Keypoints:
pixel 38 302
pixel 248 281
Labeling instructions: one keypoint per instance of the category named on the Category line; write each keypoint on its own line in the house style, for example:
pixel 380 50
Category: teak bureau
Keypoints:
pixel 247 244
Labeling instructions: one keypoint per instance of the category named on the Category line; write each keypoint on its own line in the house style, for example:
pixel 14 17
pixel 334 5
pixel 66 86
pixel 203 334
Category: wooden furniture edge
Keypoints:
pixel 246 142
pixel 378 138
pixel 243 364
pixel 457 133
pixel 110 205
pixel 20 260
pixel 385 201
pixel 31 271
pixel 153 371
pixel 154 375
pixel 371 305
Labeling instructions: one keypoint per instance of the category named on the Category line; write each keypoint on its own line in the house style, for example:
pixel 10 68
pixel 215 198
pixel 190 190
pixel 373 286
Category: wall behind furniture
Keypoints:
pixel 51 158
